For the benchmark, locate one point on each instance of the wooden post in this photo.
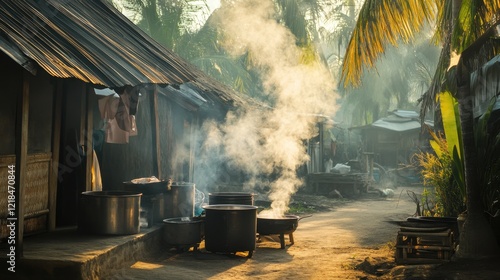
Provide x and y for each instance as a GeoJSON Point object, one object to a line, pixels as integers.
{"type": "Point", "coordinates": [192, 145]}
{"type": "Point", "coordinates": [54, 164]}
{"type": "Point", "coordinates": [21, 160]}
{"type": "Point", "coordinates": [156, 127]}
{"type": "Point", "coordinates": [89, 128]}
{"type": "Point", "coordinates": [321, 146]}
{"type": "Point", "coordinates": [369, 167]}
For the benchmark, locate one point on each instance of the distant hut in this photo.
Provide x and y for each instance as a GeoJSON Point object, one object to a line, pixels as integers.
{"type": "Point", "coordinates": [395, 138]}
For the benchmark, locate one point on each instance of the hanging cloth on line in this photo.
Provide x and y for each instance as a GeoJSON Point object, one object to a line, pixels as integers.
{"type": "Point", "coordinates": [119, 124]}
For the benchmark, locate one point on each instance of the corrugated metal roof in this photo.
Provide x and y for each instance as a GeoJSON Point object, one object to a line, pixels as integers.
{"type": "Point", "coordinates": [406, 114]}
{"type": "Point", "coordinates": [397, 121]}
{"type": "Point", "coordinates": [88, 40]}
{"type": "Point", "coordinates": [485, 84]}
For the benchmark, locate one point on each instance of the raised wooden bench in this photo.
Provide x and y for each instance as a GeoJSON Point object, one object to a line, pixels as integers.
{"type": "Point", "coordinates": [424, 245]}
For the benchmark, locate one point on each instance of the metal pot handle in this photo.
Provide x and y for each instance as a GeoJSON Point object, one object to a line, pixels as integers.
{"type": "Point", "coordinates": [306, 216]}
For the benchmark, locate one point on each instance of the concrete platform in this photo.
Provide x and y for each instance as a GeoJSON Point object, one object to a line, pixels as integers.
{"type": "Point", "coordinates": [69, 254]}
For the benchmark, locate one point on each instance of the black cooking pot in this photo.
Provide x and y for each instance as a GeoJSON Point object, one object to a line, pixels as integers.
{"type": "Point", "coordinates": [183, 232]}
{"type": "Point", "coordinates": [282, 225]}
{"type": "Point", "coordinates": [230, 228]}
{"type": "Point", "coordinates": [279, 226]}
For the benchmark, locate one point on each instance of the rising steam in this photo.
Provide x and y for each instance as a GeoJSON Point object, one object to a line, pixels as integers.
{"type": "Point", "coordinates": [271, 141]}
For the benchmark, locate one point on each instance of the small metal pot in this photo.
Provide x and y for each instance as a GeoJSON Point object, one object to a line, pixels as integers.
{"type": "Point", "coordinates": [183, 232]}
{"type": "Point", "coordinates": [279, 226]}
{"type": "Point", "coordinates": [286, 224]}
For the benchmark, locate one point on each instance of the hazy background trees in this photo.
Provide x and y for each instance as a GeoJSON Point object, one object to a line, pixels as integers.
{"type": "Point", "coordinates": [322, 28]}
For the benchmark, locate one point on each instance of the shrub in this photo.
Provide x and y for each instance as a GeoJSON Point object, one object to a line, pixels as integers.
{"type": "Point", "coordinates": [437, 172]}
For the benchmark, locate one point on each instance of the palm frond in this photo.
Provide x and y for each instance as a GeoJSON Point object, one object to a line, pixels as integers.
{"type": "Point", "coordinates": [474, 18]}
{"type": "Point", "coordinates": [443, 21]}
{"type": "Point", "coordinates": [427, 101]}
{"type": "Point", "coordinates": [381, 22]}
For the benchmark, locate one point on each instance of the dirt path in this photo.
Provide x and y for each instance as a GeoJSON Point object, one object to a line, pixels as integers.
{"type": "Point", "coordinates": [351, 241]}
{"type": "Point", "coordinates": [328, 245]}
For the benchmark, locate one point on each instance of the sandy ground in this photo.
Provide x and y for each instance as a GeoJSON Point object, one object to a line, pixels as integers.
{"type": "Point", "coordinates": [344, 240]}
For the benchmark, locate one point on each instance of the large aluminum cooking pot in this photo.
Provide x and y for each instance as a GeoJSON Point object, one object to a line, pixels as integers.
{"type": "Point", "coordinates": [109, 212]}
{"type": "Point", "coordinates": [230, 228]}
{"type": "Point", "coordinates": [179, 200]}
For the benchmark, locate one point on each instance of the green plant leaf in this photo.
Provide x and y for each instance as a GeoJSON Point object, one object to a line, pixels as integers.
{"type": "Point", "coordinates": [457, 170]}
{"type": "Point", "coordinates": [437, 149]}
{"type": "Point", "coordinates": [434, 142]}
{"type": "Point", "coordinates": [451, 122]}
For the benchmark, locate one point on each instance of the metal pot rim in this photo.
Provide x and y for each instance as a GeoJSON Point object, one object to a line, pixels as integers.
{"type": "Point", "coordinates": [283, 218]}
{"type": "Point", "coordinates": [182, 220]}
{"type": "Point", "coordinates": [183, 184]}
{"type": "Point", "coordinates": [231, 194]}
{"type": "Point", "coordinates": [111, 193]}
{"type": "Point", "coordinates": [225, 207]}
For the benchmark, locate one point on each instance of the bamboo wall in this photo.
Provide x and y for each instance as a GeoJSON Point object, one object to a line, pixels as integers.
{"type": "Point", "coordinates": [36, 200]}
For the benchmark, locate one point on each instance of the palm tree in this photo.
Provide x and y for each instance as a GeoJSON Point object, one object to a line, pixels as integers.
{"type": "Point", "coordinates": [460, 27]}
{"type": "Point", "coordinates": [384, 89]}
{"type": "Point", "coordinates": [169, 23]}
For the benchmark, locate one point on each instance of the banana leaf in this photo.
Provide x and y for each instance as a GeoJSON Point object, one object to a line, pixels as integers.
{"type": "Point", "coordinates": [451, 122]}
{"type": "Point", "coordinates": [434, 142]}
{"type": "Point", "coordinates": [457, 169]}
{"type": "Point", "coordinates": [453, 135]}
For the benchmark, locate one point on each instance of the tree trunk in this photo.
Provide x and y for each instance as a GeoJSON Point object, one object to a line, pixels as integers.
{"type": "Point", "coordinates": [476, 238]}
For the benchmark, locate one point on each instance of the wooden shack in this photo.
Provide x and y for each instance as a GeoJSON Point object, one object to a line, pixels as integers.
{"type": "Point", "coordinates": [394, 138]}
{"type": "Point", "coordinates": [54, 56]}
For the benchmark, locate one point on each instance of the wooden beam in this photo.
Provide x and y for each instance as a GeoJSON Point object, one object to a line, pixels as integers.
{"type": "Point", "coordinates": [89, 128]}
{"type": "Point", "coordinates": [321, 146]}
{"type": "Point", "coordinates": [22, 116]}
{"type": "Point", "coordinates": [54, 164]}
{"type": "Point", "coordinates": [156, 127]}
{"type": "Point", "coordinates": [192, 145]}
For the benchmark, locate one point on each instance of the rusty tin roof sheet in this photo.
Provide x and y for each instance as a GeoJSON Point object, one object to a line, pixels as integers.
{"type": "Point", "coordinates": [90, 40]}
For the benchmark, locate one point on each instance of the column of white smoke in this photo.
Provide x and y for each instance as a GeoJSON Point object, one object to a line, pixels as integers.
{"type": "Point", "coordinates": [272, 140]}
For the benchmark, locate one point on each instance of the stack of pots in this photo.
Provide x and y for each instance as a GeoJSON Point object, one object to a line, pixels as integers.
{"type": "Point", "coordinates": [230, 223]}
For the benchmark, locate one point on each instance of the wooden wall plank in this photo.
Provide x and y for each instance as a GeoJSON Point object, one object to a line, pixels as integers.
{"type": "Point", "coordinates": [54, 166]}
{"type": "Point", "coordinates": [156, 141]}
{"type": "Point", "coordinates": [22, 117]}
{"type": "Point", "coordinates": [90, 99]}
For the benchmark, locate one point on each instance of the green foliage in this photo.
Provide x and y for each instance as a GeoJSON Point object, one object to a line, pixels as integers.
{"type": "Point", "coordinates": [487, 137]}
{"type": "Point", "coordinates": [453, 133]}
{"type": "Point", "coordinates": [437, 172]}
{"type": "Point", "coordinates": [445, 168]}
